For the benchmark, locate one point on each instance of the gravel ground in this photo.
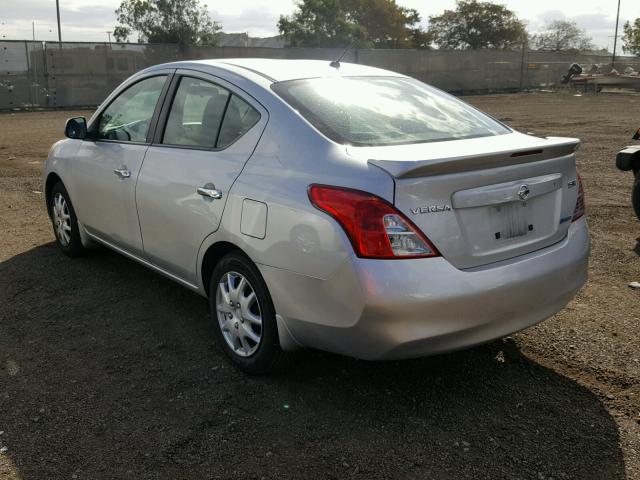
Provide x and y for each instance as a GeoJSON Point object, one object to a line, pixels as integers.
{"type": "Point", "coordinates": [109, 371]}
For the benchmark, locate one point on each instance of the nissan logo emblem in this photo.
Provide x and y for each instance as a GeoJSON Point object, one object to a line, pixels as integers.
{"type": "Point", "coordinates": [524, 192]}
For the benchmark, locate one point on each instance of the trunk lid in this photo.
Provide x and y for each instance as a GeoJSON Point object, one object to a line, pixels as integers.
{"type": "Point", "coordinates": [484, 200]}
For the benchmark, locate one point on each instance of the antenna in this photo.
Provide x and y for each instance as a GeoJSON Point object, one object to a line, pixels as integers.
{"type": "Point", "coordinates": [336, 63]}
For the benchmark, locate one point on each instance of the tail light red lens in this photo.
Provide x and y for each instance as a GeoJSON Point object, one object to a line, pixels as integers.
{"type": "Point", "coordinates": [580, 208]}
{"type": "Point", "coordinates": [375, 228]}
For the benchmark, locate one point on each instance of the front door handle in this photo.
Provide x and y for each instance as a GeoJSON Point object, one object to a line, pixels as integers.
{"type": "Point", "coordinates": [122, 172]}
{"type": "Point", "coordinates": [209, 192]}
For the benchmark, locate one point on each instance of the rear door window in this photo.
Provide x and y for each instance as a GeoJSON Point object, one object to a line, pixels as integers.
{"type": "Point", "coordinates": [206, 115]}
{"type": "Point", "coordinates": [196, 114]}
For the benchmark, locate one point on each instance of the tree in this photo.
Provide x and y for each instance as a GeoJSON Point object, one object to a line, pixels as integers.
{"type": "Point", "coordinates": [322, 23]}
{"type": "Point", "coordinates": [561, 36]}
{"type": "Point", "coordinates": [360, 23]}
{"type": "Point", "coordinates": [184, 22]}
{"type": "Point", "coordinates": [631, 38]}
{"type": "Point", "coordinates": [387, 24]}
{"type": "Point", "coordinates": [474, 25]}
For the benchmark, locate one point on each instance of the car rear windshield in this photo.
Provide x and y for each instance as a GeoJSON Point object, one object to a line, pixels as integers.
{"type": "Point", "coordinates": [368, 111]}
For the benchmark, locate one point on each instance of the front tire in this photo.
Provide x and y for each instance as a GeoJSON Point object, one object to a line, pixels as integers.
{"type": "Point", "coordinates": [244, 316]}
{"type": "Point", "coordinates": [65, 222]}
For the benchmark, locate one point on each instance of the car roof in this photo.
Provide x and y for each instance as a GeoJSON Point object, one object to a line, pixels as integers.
{"type": "Point", "coordinates": [278, 70]}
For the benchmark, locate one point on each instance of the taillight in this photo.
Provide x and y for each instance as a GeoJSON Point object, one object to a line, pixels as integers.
{"type": "Point", "coordinates": [579, 210]}
{"type": "Point", "coordinates": [374, 227]}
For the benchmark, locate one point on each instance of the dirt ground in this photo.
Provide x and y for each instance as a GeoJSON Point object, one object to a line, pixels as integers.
{"type": "Point", "coordinates": [109, 371]}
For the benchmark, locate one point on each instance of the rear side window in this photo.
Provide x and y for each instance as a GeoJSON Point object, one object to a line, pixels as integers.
{"type": "Point", "coordinates": [240, 117]}
{"type": "Point", "coordinates": [370, 111]}
{"type": "Point", "coordinates": [207, 115]}
{"type": "Point", "coordinates": [128, 117]}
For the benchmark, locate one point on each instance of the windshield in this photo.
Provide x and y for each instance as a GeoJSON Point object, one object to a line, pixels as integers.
{"type": "Point", "coordinates": [369, 111]}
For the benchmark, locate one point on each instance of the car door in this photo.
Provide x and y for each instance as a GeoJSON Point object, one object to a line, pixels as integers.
{"type": "Point", "coordinates": [106, 166]}
{"type": "Point", "coordinates": [206, 134]}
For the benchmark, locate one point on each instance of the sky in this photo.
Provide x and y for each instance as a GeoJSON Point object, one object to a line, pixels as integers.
{"type": "Point", "coordinates": [89, 20]}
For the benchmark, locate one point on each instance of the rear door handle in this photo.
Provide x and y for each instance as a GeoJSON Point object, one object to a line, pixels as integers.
{"type": "Point", "coordinates": [209, 192]}
{"type": "Point", "coordinates": [122, 172]}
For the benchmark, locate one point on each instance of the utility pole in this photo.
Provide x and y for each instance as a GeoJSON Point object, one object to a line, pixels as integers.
{"type": "Point", "coordinates": [34, 63]}
{"type": "Point", "coordinates": [58, 15]}
{"type": "Point", "coordinates": [109, 35]}
{"type": "Point", "coordinates": [615, 39]}
{"type": "Point", "coordinates": [522, 67]}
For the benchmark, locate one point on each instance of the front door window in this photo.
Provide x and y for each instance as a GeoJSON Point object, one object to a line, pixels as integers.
{"type": "Point", "coordinates": [128, 117]}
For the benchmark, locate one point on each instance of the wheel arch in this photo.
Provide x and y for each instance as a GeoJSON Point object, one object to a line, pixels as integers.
{"type": "Point", "coordinates": [211, 258]}
{"type": "Point", "coordinates": [52, 179]}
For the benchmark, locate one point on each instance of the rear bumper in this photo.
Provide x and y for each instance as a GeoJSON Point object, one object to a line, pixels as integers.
{"type": "Point", "coordinates": [376, 310]}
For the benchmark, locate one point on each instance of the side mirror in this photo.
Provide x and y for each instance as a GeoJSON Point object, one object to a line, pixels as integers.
{"type": "Point", "coordinates": [76, 128]}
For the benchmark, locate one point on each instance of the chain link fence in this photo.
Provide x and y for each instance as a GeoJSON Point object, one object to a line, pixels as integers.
{"type": "Point", "coordinates": [52, 74]}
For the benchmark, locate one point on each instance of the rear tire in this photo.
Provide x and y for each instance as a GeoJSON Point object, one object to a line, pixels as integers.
{"type": "Point", "coordinates": [65, 222]}
{"type": "Point", "coordinates": [635, 195]}
{"type": "Point", "coordinates": [244, 316]}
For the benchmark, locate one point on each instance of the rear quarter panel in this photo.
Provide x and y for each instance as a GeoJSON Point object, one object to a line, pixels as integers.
{"type": "Point", "coordinates": [290, 156]}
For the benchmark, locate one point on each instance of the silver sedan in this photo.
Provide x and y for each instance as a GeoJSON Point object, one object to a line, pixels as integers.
{"type": "Point", "coordinates": [333, 206]}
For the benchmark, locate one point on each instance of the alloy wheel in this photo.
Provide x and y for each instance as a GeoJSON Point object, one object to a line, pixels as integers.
{"type": "Point", "coordinates": [61, 219]}
{"type": "Point", "coordinates": [239, 314]}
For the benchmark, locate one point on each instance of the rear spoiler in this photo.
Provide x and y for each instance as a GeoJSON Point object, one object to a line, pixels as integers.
{"type": "Point", "coordinates": [554, 147]}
